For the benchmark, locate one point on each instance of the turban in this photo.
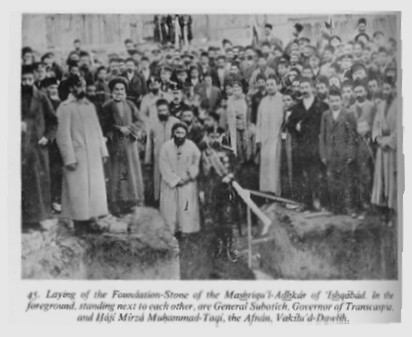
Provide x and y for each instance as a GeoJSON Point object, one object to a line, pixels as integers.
{"type": "Point", "coordinates": [179, 125]}
{"type": "Point", "coordinates": [117, 80]}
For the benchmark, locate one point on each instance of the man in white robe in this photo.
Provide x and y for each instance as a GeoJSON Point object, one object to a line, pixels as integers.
{"type": "Point", "coordinates": [268, 138]}
{"type": "Point", "coordinates": [179, 168]}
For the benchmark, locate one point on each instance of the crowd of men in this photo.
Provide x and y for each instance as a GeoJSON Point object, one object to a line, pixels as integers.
{"type": "Point", "coordinates": [315, 120]}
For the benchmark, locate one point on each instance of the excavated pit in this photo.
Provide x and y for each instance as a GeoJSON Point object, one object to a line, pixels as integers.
{"type": "Point", "coordinates": [327, 247]}
{"type": "Point", "coordinates": [137, 247]}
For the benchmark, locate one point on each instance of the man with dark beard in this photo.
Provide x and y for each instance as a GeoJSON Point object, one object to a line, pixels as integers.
{"type": "Point", "coordinates": [384, 134]}
{"type": "Point", "coordinates": [50, 86]}
{"type": "Point", "coordinates": [148, 105]}
{"type": "Point", "coordinates": [158, 133]}
{"type": "Point", "coordinates": [194, 129]}
{"type": "Point", "coordinates": [179, 166]}
{"type": "Point", "coordinates": [364, 112]}
{"type": "Point", "coordinates": [322, 89]}
{"type": "Point", "coordinates": [304, 126]}
{"type": "Point", "coordinates": [83, 149]}
{"type": "Point", "coordinates": [38, 129]}
{"type": "Point", "coordinates": [257, 97]}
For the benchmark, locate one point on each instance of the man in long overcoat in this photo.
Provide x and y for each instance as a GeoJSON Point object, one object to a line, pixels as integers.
{"type": "Point", "coordinates": [83, 149]}
{"type": "Point", "coordinates": [384, 192]}
{"type": "Point", "coordinates": [123, 128]}
{"type": "Point", "coordinates": [364, 112]}
{"type": "Point", "coordinates": [39, 124]}
{"type": "Point", "coordinates": [304, 126]}
{"type": "Point", "coordinates": [337, 150]}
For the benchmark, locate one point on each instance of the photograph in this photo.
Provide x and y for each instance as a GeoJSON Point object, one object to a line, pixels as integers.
{"type": "Point", "coordinates": [229, 147]}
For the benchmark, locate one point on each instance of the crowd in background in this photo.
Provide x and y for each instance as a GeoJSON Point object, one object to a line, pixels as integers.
{"type": "Point", "coordinates": [315, 120]}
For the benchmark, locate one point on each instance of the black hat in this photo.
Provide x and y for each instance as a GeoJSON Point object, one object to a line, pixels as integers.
{"type": "Point", "coordinates": [193, 68]}
{"type": "Point", "coordinates": [187, 54]}
{"type": "Point", "coordinates": [117, 80]}
{"type": "Point", "coordinates": [360, 35]}
{"type": "Point", "coordinates": [362, 21]}
{"type": "Point", "coordinates": [27, 69]}
{"type": "Point", "coordinates": [48, 81]}
{"type": "Point", "coordinates": [73, 80]}
{"type": "Point", "coordinates": [260, 77]}
{"type": "Point", "coordinates": [268, 25]}
{"type": "Point", "coordinates": [360, 83]}
{"type": "Point", "coordinates": [180, 70]}
{"type": "Point", "coordinates": [214, 115]}
{"type": "Point", "coordinates": [72, 63]}
{"type": "Point", "coordinates": [166, 68]}
{"type": "Point", "coordinates": [334, 91]}
{"type": "Point", "coordinates": [323, 79]}
{"type": "Point", "coordinates": [357, 66]}
{"type": "Point", "coordinates": [179, 125]}
{"type": "Point", "coordinates": [26, 50]}
{"type": "Point", "coordinates": [298, 27]}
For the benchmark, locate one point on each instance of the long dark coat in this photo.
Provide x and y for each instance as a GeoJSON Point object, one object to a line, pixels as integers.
{"type": "Point", "coordinates": [38, 115]}
{"type": "Point", "coordinates": [337, 148]}
{"type": "Point", "coordinates": [125, 180]}
{"type": "Point", "coordinates": [306, 164]}
{"type": "Point", "coordinates": [136, 88]}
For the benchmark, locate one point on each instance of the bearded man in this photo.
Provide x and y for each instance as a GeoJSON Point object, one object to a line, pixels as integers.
{"type": "Point", "coordinates": [38, 129]}
{"type": "Point", "coordinates": [158, 133]}
{"type": "Point", "coordinates": [364, 112]}
{"type": "Point", "coordinates": [83, 149]}
{"type": "Point", "coordinates": [304, 126]}
{"type": "Point", "coordinates": [179, 167]}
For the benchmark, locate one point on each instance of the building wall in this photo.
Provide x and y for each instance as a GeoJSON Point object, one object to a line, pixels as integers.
{"type": "Point", "coordinates": [57, 31]}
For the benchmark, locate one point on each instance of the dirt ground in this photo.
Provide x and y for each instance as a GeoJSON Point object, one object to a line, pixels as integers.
{"type": "Point", "coordinates": [197, 261]}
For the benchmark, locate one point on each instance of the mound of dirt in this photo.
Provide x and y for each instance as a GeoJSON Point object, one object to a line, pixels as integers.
{"type": "Point", "coordinates": [138, 246]}
{"type": "Point", "coordinates": [327, 247]}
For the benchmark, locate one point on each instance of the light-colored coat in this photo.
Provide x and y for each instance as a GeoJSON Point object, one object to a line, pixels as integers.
{"type": "Point", "coordinates": [236, 115]}
{"type": "Point", "coordinates": [385, 177]}
{"type": "Point", "coordinates": [179, 205]}
{"type": "Point", "coordinates": [148, 107]}
{"type": "Point", "coordinates": [80, 140]}
{"type": "Point", "coordinates": [159, 133]}
{"type": "Point", "coordinates": [268, 134]}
